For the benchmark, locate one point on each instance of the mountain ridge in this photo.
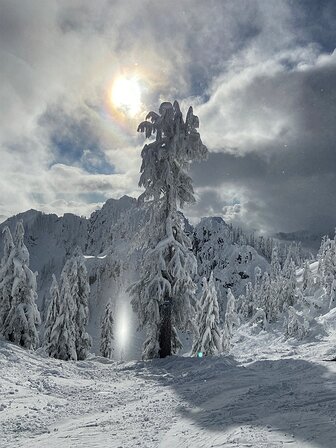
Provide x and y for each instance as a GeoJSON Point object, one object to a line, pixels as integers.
{"type": "Point", "coordinates": [113, 243]}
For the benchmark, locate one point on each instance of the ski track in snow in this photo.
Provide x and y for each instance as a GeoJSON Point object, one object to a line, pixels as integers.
{"type": "Point", "coordinates": [282, 399]}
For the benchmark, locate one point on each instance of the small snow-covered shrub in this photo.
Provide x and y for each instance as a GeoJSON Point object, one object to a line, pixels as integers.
{"type": "Point", "coordinates": [296, 325]}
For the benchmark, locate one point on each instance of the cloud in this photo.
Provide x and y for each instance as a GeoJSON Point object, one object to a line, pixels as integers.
{"type": "Point", "coordinates": [259, 73]}
{"type": "Point", "coordinates": [277, 142]}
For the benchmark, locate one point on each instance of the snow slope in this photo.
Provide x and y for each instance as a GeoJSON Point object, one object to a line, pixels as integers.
{"type": "Point", "coordinates": [285, 397]}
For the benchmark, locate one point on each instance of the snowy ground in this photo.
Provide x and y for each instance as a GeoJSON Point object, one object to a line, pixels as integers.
{"type": "Point", "coordinates": [285, 397]}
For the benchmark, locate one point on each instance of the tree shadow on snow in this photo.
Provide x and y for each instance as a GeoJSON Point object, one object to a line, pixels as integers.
{"type": "Point", "coordinates": [289, 396]}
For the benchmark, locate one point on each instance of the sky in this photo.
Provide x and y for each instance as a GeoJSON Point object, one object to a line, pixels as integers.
{"type": "Point", "coordinates": [261, 76]}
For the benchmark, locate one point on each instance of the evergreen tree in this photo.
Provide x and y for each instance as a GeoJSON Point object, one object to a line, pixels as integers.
{"type": "Point", "coordinates": [231, 320]}
{"type": "Point", "coordinates": [332, 294]}
{"type": "Point", "coordinates": [257, 275]}
{"type": "Point", "coordinates": [163, 298]}
{"type": "Point", "coordinates": [106, 337]}
{"type": "Point", "coordinates": [290, 286]}
{"type": "Point", "coordinates": [209, 338]}
{"type": "Point", "coordinates": [82, 293]}
{"type": "Point", "coordinates": [288, 260]}
{"type": "Point", "coordinates": [6, 276]}
{"type": "Point", "coordinates": [51, 336]}
{"type": "Point", "coordinates": [66, 336]}
{"type": "Point", "coordinates": [247, 302]}
{"type": "Point", "coordinates": [306, 280]}
{"type": "Point", "coordinates": [63, 330]}
{"type": "Point", "coordinates": [264, 296]}
{"type": "Point", "coordinates": [22, 319]}
{"type": "Point", "coordinates": [275, 263]}
{"type": "Point", "coordinates": [321, 254]}
{"type": "Point", "coordinates": [296, 325]}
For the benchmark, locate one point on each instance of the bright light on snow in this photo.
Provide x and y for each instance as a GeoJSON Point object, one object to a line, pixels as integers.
{"type": "Point", "coordinates": [122, 326]}
{"type": "Point", "coordinates": [126, 95]}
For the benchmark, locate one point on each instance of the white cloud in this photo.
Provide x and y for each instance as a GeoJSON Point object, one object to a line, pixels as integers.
{"type": "Point", "coordinates": [249, 59]}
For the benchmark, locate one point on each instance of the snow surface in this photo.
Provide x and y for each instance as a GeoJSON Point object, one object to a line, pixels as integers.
{"type": "Point", "coordinates": [270, 393]}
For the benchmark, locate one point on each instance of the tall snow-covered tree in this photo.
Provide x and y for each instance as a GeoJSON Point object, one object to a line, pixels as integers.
{"type": "Point", "coordinates": [50, 335]}
{"type": "Point", "coordinates": [275, 263]}
{"type": "Point", "coordinates": [264, 296]}
{"type": "Point", "coordinates": [327, 258]}
{"type": "Point", "coordinates": [23, 317]}
{"type": "Point", "coordinates": [289, 287]}
{"type": "Point", "coordinates": [306, 276]}
{"type": "Point", "coordinates": [257, 275]}
{"type": "Point", "coordinates": [247, 302]}
{"type": "Point", "coordinates": [208, 340]}
{"type": "Point", "coordinates": [6, 276]}
{"type": "Point", "coordinates": [82, 292]}
{"type": "Point", "coordinates": [332, 294]}
{"type": "Point", "coordinates": [231, 320]}
{"type": "Point", "coordinates": [163, 298]}
{"type": "Point", "coordinates": [66, 336]}
{"type": "Point", "coordinates": [64, 330]}
{"type": "Point", "coordinates": [106, 336]}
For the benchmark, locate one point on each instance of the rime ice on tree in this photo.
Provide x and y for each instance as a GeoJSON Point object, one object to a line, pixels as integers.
{"type": "Point", "coordinates": [106, 337]}
{"type": "Point", "coordinates": [66, 336]}
{"type": "Point", "coordinates": [83, 340]}
{"type": "Point", "coordinates": [231, 320]}
{"type": "Point", "coordinates": [164, 295]}
{"type": "Point", "coordinates": [208, 339]}
{"type": "Point", "coordinates": [18, 290]}
{"type": "Point", "coordinates": [50, 334]}
{"type": "Point", "coordinates": [64, 327]}
{"type": "Point", "coordinates": [6, 276]}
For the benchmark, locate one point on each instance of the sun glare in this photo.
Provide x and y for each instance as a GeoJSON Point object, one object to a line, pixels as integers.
{"type": "Point", "coordinates": [122, 325]}
{"type": "Point", "coordinates": [126, 95]}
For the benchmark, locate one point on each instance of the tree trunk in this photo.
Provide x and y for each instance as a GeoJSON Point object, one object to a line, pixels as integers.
{"type": "Point", "coordinates": [165, 329]}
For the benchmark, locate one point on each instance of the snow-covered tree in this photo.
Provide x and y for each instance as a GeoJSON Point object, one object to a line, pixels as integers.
{"type": "Point", "coordinates": [265, 297]}
{"type": "Point", "coordinates": [64, 327]}
{"type": "Point", "coordinates": [332, 294]}
{"type": "Point", "coordinates": [66, 336]}
{"type": "Point", "coordinates": [275, 263]}
{"type": "Point", "coordinates": [106, 336]}
{"type": "Point", "coordinates": [247, 303]}
{"type": "Point", "coordinates": [295, 324]}
{"type": "Point", "coordinates": [22, 319]}
{"type": "Point", "coordinates": [81, 293]}
{"type": "Point", "coordinates": [327, 258]}
{"type": "Point", "coordinates": [163, 298]}
{"type": "Point", "coordinates": [257, 275]}
{"type": "Point", "coordinates": [6, 276]}
{"type": "Point", "coordinates": [231, 320]}
{"type": "Point", "coordinates": [288, 259]}
{"type": "Point", "coordinates": [209, 337]}
{"type": "Point", "coordinates": [286, 288]}
{"type": "Point", "coordinates": [51, 336]}
{"type": "Point", "coordinates": [306, 276]}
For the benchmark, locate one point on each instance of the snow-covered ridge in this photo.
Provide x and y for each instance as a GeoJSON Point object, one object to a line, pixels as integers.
{"type": "Point", "coordinates": [112, 242]}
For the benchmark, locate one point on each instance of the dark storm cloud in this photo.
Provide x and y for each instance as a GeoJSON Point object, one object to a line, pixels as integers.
{"type": "Point", "coordinates": [269, 197]}
{"type": "Point", "coordinates": [285, 177]}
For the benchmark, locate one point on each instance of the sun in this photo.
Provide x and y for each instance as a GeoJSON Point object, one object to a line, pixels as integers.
{"type": "Point", "coordinates": [126, 95]}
